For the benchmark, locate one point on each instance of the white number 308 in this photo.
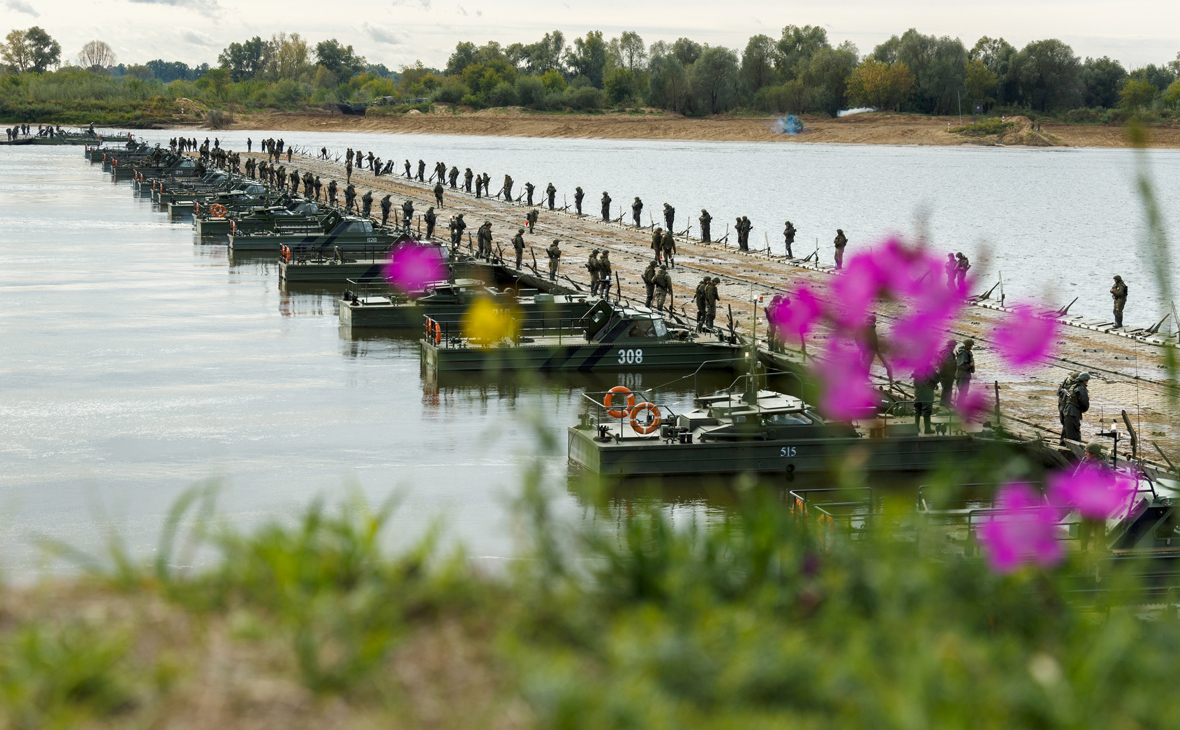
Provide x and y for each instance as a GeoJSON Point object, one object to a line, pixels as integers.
{"type": "Point", "coordinates": [630, 357]}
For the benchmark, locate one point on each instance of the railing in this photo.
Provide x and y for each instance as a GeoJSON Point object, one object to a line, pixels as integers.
{"type": "Point", "coordinates": [572, 329]}
{"type": "Point", "coordinates": [601, 419]}
{"type": "Point", "coordinates": [311, 253]}
{"type": "Point", "coordinates": [855, 516]}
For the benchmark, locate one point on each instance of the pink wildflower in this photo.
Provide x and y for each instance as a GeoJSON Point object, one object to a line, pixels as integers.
{"type": "Point", "coordinates": [973, 406]}
{"type": "Point", "coordinates": [1024, 339]}
{"type": "Point", "coordinates": [1021, 530]}
{"type": "Point", "coordinates": [412, 266]}
{"type": "Point", "coordinates": [1095, 490]}
{"type": "Point", "coordinates": [797, 314]}
{"type": "Point", "coordinates": [847, 394]}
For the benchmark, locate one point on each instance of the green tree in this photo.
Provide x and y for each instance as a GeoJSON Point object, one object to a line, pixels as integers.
{"type": "Point", "coordinates": [1047, 76]}
{"type": "Point", "coordinates": [758, 63]}
{"type": "Point", "coordinates": [244, 60]}
{"type": "Point", "coordinates": [687, 51]}
{"type": "Point", "coordinates": [1137, 94]}
{"type": "Point", "coordinates": [938, 66]}
{"type": "Point", "coordinates": [714, 79]}
{"type": "Point", "coordinates": [219, 79]}
{"type": "Point", "coordinates": [880, 85]}
{"type": "Point", "coordinates": [996, 54]}
{"type": "Point", "coordinates": [825, 79]}
{"type": "Point", "coordinates": [338, 58]}
{"type": "Point", "coordinates": [980, 81]}
{"type": "Point", "coordinates": [44, 52]}
{"type": "Point", "coordinates": [1160, 76]}
{"type": "Point", "coordinates": [463, 57]}
{"type": "Point", "coordinates": [1171, 97]}
{"type": "Point", "coordinates": [545, 55]}
{"type": "Point", "coordinates": [553, 80]}
{"type": "Point", "coordinates": [16, 51]}
{"type": "Point", "coordinates": [796, 48]}
{"type": "Point", "coordinates": [631, 51]}
{"type": "Point", "coordinates": [620, 85]}
{"type": "Point", "coordinates": [668, 86]}
{"type": "Point", "coordinates": [1102, 79]}
{"type": "Point", "coordinates": [588, 57]}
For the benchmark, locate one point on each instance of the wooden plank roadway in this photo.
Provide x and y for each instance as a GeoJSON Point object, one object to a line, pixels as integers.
{"type": "Point", "coordinates": [1127, 373]}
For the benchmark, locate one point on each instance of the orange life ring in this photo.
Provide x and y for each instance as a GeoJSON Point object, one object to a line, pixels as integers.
{"type": "Point", "coordinates": [608, 401]}
{"type": "Point", "coordinates": [285, 253]}
{"type": "Point", "coordinates": [433, 331]}
{"type": "Point", "coordinates": [218, 210]}
{"type": "Point", "coordinates": [233, 227]}
{"type": "Point", "coordinates": [655, 418]}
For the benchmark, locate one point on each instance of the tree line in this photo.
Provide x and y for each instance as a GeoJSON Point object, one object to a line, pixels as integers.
{"type": "Point", "coordinates": [799, 72]}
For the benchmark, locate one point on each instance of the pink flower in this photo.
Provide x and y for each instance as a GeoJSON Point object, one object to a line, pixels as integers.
{"type": "Point", "coordinates": [797, 313]}
{"type": "Point", "coordinates": [1095, 490]}
{"type": "Point", "coordinates": [971, 407]}
{"type": "Point", "coordinates": [1024, 339]}
{"type": "Point", "coordinates": [412, 266]}
{"type": "Point", "coordinates": [1021, 530]}
{"type": "Point", "coordinates": [855, 288]}
{"type": "Point", "coordinates": [847, 394]}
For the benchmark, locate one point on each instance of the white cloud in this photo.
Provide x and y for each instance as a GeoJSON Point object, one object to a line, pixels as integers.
{"type": "Point", "coordinates": [197, 38]}
{"type": "Point", "coordinates": [200, 4]}
{"type": "Point", "coordinates": [383, 35]}
{"type": "Point", "coordinates": [21, 7]}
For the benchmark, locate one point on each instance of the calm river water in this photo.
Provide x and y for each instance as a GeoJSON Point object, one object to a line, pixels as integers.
{"type": "Point", "coordinates": [135, 364]}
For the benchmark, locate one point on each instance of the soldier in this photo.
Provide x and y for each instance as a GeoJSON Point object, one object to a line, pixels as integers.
{"type": "Point", "coordinates": [663, 284]}
{"type": "Point", "coordinates": [421, 171]}
{"type": "Point", "coordinates": [702, 303]}
{"type": "Point", "coordinates": [409, 175]}
{"type": "Point", "coordinates": [430, 219]}
{"type": "Point", "coordinates": [705, 220]}
{"type": "Point", "coordinates": [249, 144]}
{"type": "Point", "coordinates": [657, 243]}
{"type": "Point", "coordinates": [438, 194]}
{"type": "Point", "coordinates": [870, 347]}
{"type": "Point", "coordinates": [478, 187]}
{"type": "Point", "coordinates": [484, 239]}
{"type": "Point", "coordinates": [840, 242]}
{"type": "Point", "coordinates": [467, 179]}
{"type": "Point", "coordinates": [348, 170]}
{"type": "Point", "coordinates": [531, 218]}
{"type": "Point", "coordinates": [454, 178]}
{"type": "Point", "coordinates": [487, 183]}
{"type": "Point", "coordinates": [961, 267]}
{"type": "Point", "coordinates": [288, 154]}
{"type": "Point", "coordinates": [604, 274]}
{"type": "Point", "coordinates": [1118, 292]}
{"type": "Point", "coordinates": [507, 191]}
{"type": "Point", "coordinates": [924, 399]}
{"type": "Point", "coordinates": [964, 368]}
{"type": "Point", "coordinates": [669, 216]}
{"type": "Point", "coordinates": [332, 192]}
{"type": "Point", "coordinates": [518, 246]}
{"type": "Point", "coordinates": [551, 194]}
{"type": "Point", "coordinates": [407, 213]}
{"type": "Point", "coordinates": [950, 267]}
{"type": "Point", "coordinates": [318, 186]}
{"type": "Point", "coordinates": [669, 246]}
{"type": "Point", "coordinates": [281, 177]}
{"type": "Point", "coordinates": [386, 206]}
{"type": "Point", "coordinates": [1077, 403]}
{"type": "Point", "coordinates": [308, 184]}
{"type": "Point", "coordinates": [789, 239]}
{"type": "Point", "coordinates": [349, 197]}
{"type": "Point", "coordinates": [458, 225]}
{"type": "Point", "coordinates": [554, 252]}
{"type": "Point", "coordinates": [367, 204]}
{"type": "Point", "coordinates": [712, 296]}
{"type": "Point", "coordinates": [649, 282]}
{"type": "Point", "coordinates": [946, 373]}
{"type": "Point", "coordinates": [578, 195]}
{"type": "Point", "coordinates": [745, 231]}
{"type": "Point", "coordinates": [528, 189]}
{"type": "Point", "coordinates": [592, 267]}
{"type": "Point", "coordinates": [636, 210]}
{"type": "Point", "coordinates": [605, 207]}
{"type": "Point", "coordinates": [370, 158]}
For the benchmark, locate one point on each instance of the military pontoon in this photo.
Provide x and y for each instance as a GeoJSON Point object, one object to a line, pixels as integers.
{"type": "Point", "coordinates": [246, 218]}
{"type": "Point", "coordinates": [609, 337]}
{"type": "Point", "coordinates": [337, 232]}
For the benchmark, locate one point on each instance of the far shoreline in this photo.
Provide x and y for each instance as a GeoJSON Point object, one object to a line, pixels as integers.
{"type": "Point", "coordinates": [867, 128]}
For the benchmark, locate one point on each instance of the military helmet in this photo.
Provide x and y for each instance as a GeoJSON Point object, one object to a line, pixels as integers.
{"type": "Point", "coordinates": [557, 242]}
{"type": "Point", "coordinates": [1116, 276]}
{"type": "Point", "coordinates": [716, 280]}
{"type": "Point", "coordinates": [1095, 448]}
{"type": "Point", "coordinates": [968, 343]}
{"type": "Point", "coordinates": [487, 223]}
{"type": "Point", "coordinates": [1083, 377]}
{"type": "Point", "coordinates": [520, 230]}
{"type": "Point", "coordinates": [663, 268]}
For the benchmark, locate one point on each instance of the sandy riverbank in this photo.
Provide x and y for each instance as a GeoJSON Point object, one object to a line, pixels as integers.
{"type": "Point", "coordinates": [891, 129]}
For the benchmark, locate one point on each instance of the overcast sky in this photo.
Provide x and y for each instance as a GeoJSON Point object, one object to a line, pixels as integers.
{"type": "Point", "coordinates": [397, 32]}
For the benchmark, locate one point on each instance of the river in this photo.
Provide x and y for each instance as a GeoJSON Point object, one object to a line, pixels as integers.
{"type": "Point", "coordinates": [136, 364]}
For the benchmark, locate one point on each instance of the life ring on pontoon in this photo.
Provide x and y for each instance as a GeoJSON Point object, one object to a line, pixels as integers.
{"type": "Point", "coordinates": [654, 413]}
{"type": "Point", "coordinates": [609, 400]}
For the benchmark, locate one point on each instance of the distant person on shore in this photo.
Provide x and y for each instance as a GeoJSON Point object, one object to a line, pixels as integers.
{"type": "Point", "coordinates": [407, 213]}
{"type": "Point", "coordinates": [950, 267]}
{"type": "Point", "coordinates": [1077, 402]}
{"type": "Point", "coordinates": [467, 180]}
{"type": "Point", "coordinates": [605, 207]}
{"type": "Point", "coordinates": [592, 267]}
{"type": "Point", "coordinates": [454, 178]}
{"type": "Point", "coordinates": [840, 242]}
{"type": "Point", "coordinates": [386, 207]}
{"type": "Point", "coordinates": [578, 195]}
{"type": "Point", "coordinates": [367, 204]}
{"type": "Point", "coordinates": [964, 368]}
{"type": "Point", "coordinates": [438, 193]}
{"type": "Point", "coordinates": [551, 195]}
{"type": "Point", "coordinates": [789, 239]}
{"type": "Point", "coordinates": [636, 211]}
{"type": "Point", "coordinates": [669, 217]}
{"type": "Point", "coordinates": [962, 266]}
{"type": "Point", "coordinates": [947, 367]}
{"type": "Point", "coordinates": [518, 246]}
{"type": "Point", "coordinates": [421, 170]}
{"type": "Point", "coordinates": [1118, 292]}
{"type": "Point", "coordinates": [663, 287]}
{"type": "Point", "coordinates": [649, 282]}
{"type": "Point", "coordinates": [669, 246]}
{"type": "Point", "coordinates": [657, 243]}
{"type": "Point", "coordinates": [332, 192]}
{"type": "Point", "coordinates": [478, 187]}
{"type": "Point", "coordinates": [484, 239]}
{"type": "Point", "coordinates": [531, 219]}
{"type": "Point", "coordinates": [431, 219]}
{"type": "Point", "coordinates": [604, 274]}
{"type": "Point", "coordinates": [712, 296]}
{"type": "Point", "coordinates": [349, 197]}
{"type": "Point", "coordinates": [409, 175]}
{"type": "Point", "coordinates": [528, 189]}
{"type": "Point", "coordinates": [506, 191]}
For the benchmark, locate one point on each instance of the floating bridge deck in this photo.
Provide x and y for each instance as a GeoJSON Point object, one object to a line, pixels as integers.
{"type": "Point", "coordinates": [1127, 366]}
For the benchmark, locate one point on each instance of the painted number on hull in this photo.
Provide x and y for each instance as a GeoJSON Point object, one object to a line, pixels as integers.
{"type": "Point", "coordinates": [787, 451]}
{"type": "Point", "coordinates": [630, 357]}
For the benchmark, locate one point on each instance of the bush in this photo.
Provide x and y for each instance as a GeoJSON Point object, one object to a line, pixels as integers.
{"type": "Point", "coordinates": [584, 98]}
{"type": "Point", "coordinates": [503, 94]}
{"type": "Point", "coordinates": [530, 92]}
{"type": "Point", "coordinates": [984, 128]}
{"type": "Point", "coordinates": [777, 99]}
{"type": "Point", "coordinates": [451, 93]}
{"type": "Point", "coordinates": [218, 119]}
{"type": "Point", "coordinates": [1093, 115]}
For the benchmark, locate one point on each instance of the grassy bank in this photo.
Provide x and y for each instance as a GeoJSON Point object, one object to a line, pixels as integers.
{"type": "Point", "coordinates": [760, 621]}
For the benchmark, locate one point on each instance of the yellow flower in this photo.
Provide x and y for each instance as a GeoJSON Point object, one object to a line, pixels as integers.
{"type": "Point", "coordinates": [485, 323]}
